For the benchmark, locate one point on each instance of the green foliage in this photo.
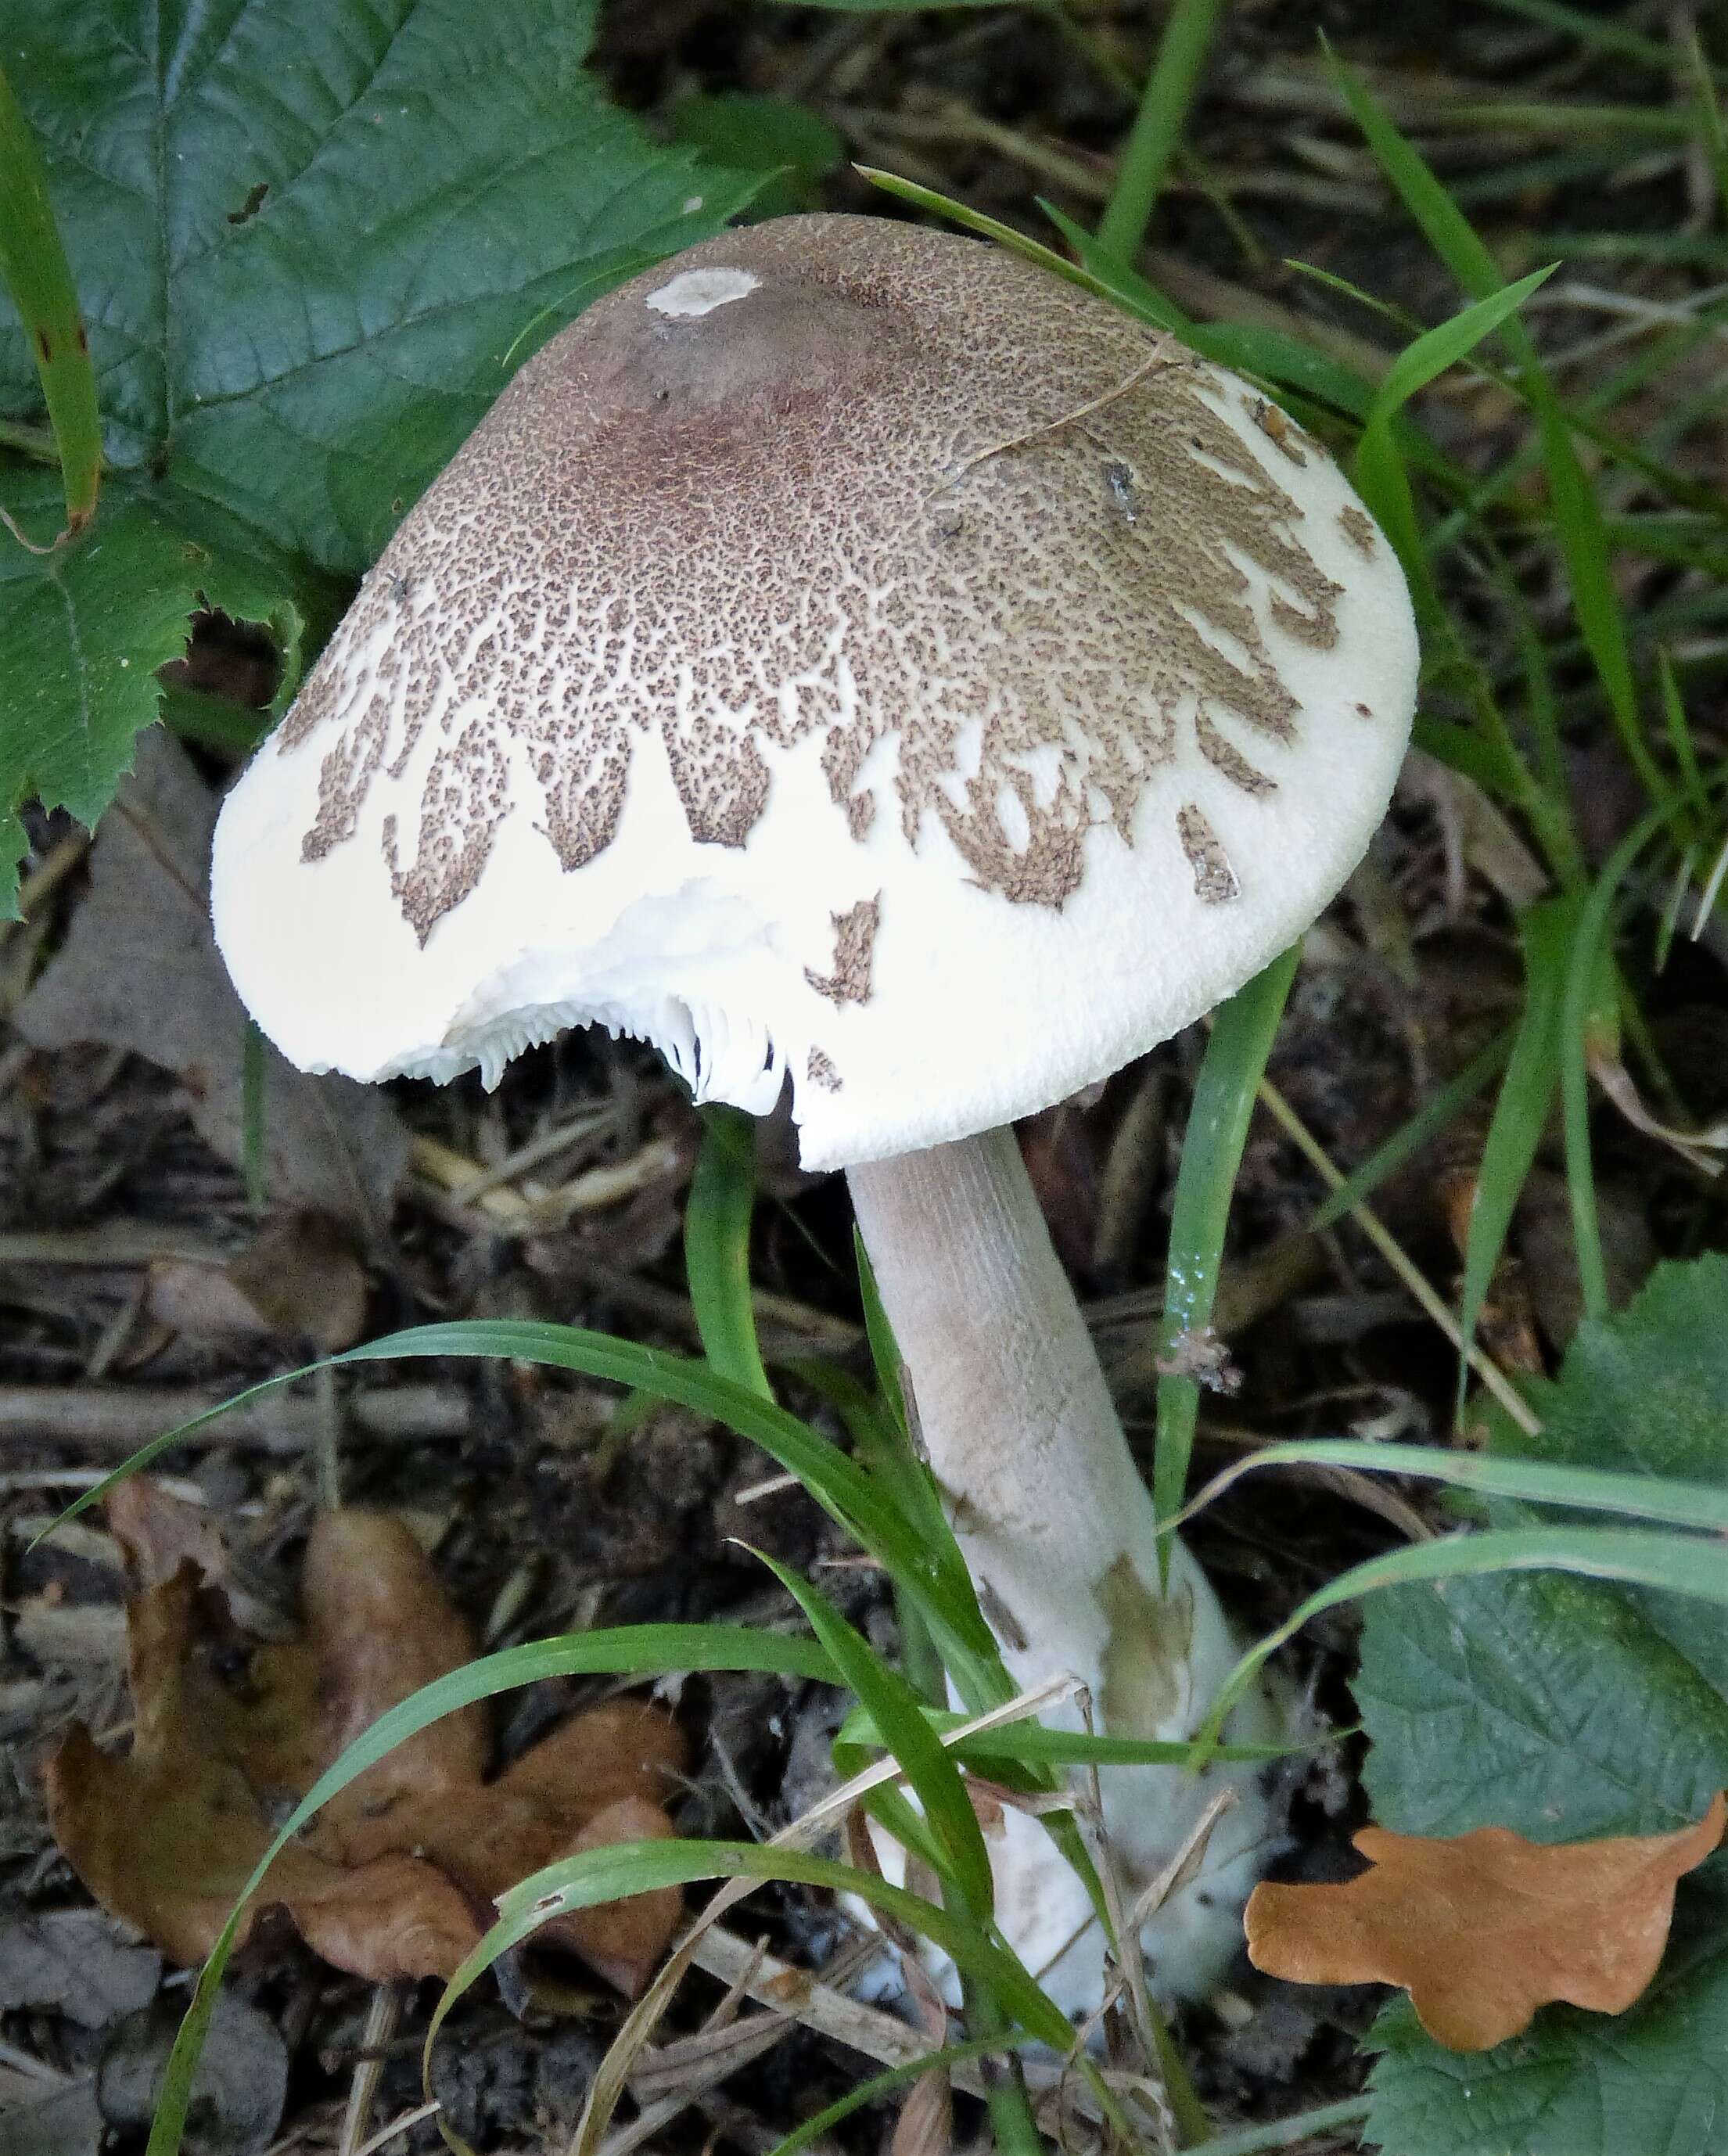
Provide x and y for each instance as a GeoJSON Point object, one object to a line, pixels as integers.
{"type": "Point", "coordinates": [1564, 1707]}
{"type": "Point", "coordinates": [311, 244]}
{"type": "Point", "coordinates": [717, 1247]}
{"type": "Point", "coordinates": [793, 147]}
{"type": "Point", "coordinates": [1223, 1102]}
{"type": "Point", "coordinates": [1650, 2081]}
{"type": "Point", "coordinates": [39, 278]}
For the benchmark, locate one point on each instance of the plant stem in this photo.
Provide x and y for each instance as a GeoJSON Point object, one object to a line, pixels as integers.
{"type": "Point", "coordinates": [1283, 2133]}
{"type": "Point", "coordinates": [1157, 126]}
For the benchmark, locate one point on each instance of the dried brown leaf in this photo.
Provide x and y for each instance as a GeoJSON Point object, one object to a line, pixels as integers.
{"type": "Point", "coordinates": [139, 970]}
{"type": "Point", "coordinates": [396, 1876]}
{"type": "Point", "coordinates": [298, 1279]}
{"type": "Point", "coordinates": [1483, 1928]}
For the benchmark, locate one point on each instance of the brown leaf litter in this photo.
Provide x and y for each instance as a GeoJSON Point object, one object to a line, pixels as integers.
{"type": "Point", "coordinates": [396, 1876]}
{"type": "Point", "coordinates": [139, 970]}
{"type": "Point", "coordinates": [1483, 1928]}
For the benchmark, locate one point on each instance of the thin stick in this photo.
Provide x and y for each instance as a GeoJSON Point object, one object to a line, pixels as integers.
{"type": "Point", "coordinates": [1389, 1249]}
{"type": "Point", "coordinates": [381, 2016]}
{"type": "Point", "coordinates": [399, 2126]}
{"type": "Point", "coordinates": [1155, 357]}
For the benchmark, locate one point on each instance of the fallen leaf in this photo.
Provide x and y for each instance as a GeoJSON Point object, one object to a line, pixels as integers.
{"type": "Point", "coordinates": [1483, 1928]}
{"type": "Point", "coordinates": [298, 1279]}
{"type": "Point", "coordinates": [395, 1876]}
{"type": "Point", "coordinates": [139, 970]}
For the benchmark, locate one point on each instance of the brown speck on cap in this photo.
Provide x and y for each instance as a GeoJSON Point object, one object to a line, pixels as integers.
{"type": "Point", "coordinates": [1214, 878]}
{"type": "Point", "coordinates": [855, 947]}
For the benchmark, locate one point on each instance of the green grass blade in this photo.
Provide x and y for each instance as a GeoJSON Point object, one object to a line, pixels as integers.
{"type": "Point", "coordinates": [40, 280]}
{"type": "Point", "coordinates": [1436, 349]}
{"type": "Point", "coordinates": [637, 1867]}
{"type": "Point", "coordinates": [1679, 728]}
{"type": "Point", "coordinates": [878, 2085]}
{"type": "Point", "coordinates": [884, 1349]}
{"type": "Point", "coordinates": [1234, 1062]}
{"type": "Point", "coordinates": [836, 1482]}
{"type": "Point", "coordinates": [1679, 1564]}
{"type": "Point", "coordinates": [1590, 951]}
{"type": "Point", "coordinates": [899, 1713]}
{"type": "Point", "coordinates": [1674, 1502]}
{"type": "Point", "coordinates": [1017, 1744]}
{"type": "Point", "coordinates": [640, 1650]}
{"type": "Point", "coordinates": [929, 1570]}
{"type": "Point", "coordinates": [1425, 1125]}
{"type": "Point", "coordinates": [717, 1247]}
{"type": "Point", "coordinates": [1578, 527]}
{"type": "Point", "coordinates": [1521, 1113]}
{"type": "Point", "coordinates": [1183, 46]}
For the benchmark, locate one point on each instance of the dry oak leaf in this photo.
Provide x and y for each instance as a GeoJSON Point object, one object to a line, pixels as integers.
{"type": "Point", "coordinates": [1483, 1928]}
{"type": "Point", "coordinates": [396, 1876]}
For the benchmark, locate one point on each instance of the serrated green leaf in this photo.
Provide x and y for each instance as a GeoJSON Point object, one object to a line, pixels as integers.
{"type": "Point", "coordinates": [1541, 1703]}
{"type": "Point", "coordinates": [311, 244]}
{"type": "Point", "coordinates": [84, 628]}
{"type": "Point", "coordinates": [1565, 1707]}
{"type": "Point", "coordinates": [308, 240]}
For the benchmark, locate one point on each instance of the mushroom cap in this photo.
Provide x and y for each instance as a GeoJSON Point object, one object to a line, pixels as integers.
{"type": "Point", "coordinates": [846, 654]}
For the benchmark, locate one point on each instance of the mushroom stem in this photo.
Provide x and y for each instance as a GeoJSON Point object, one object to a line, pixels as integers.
{"type": "Point", "coordinates": [1054, 1518]}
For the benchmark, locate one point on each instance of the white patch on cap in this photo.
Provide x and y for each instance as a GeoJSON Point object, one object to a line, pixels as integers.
{"type": "Point", "coordinates": [700, 291]}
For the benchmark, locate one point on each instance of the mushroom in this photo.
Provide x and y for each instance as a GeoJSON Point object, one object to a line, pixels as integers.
{"type": "Point", "coordinates": [854, 660]}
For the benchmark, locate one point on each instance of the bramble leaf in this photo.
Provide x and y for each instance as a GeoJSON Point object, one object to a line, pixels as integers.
{"type": "Point", "coordinates": [312, 246]}
{"type": "Point", "coordinates": [1563, 1709]}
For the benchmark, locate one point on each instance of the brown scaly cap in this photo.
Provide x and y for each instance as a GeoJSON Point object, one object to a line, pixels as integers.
{"type": "Point", "coordinates": [994, 592]}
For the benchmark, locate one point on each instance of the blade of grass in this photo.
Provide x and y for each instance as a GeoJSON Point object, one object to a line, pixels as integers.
{"type": "Point", "coordinates": [960, 1859]}
{"type": "Point", "coordinates": [1378, 468]}
{"type": "Point", "coordinates": [899, 1713]}
{"type": "Point", "coordinates": [1679, 1564]}
{"type": "Point", "coordinates": [1521, 1113]}
{"type": "Point", "coordinates": [935, 1575]}
{"type": "Point", "coordinates": [717, 1247]}
{"type": "Point", "coordinates": [1224, 1103]}
{"type": "Point", "coordinates": [885, 1348]}
{"type": "Point", "coordinates": [1185, 43]}
{"type": "Point", "coordinates": [1590, 946]}
{"type": "Point", "coordinates": [39, 278]}
{"type": "Point", "coordinates": [1576, 512]}
{"type": "Point", "coordinates": [1426, 1125]}
{"type": "Point", "coordinates": [621, 1869]}
{"type": "Point", "coordinates": [1675, 1502]}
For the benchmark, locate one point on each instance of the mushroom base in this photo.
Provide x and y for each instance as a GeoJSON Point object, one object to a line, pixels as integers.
{"type": "Point", "coordinates": [1058, 1528]}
